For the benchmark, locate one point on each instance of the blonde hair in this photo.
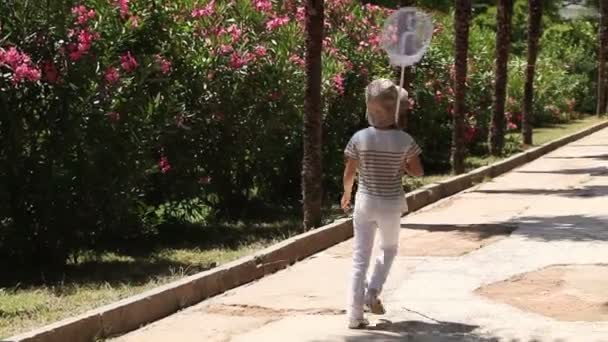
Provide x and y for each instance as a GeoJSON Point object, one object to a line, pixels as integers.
{"type": "Point", "coordinates": [381, 100]}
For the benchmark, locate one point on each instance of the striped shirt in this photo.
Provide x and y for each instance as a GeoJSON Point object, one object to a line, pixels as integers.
{"type": "Point", "coordinates": [380, 154]}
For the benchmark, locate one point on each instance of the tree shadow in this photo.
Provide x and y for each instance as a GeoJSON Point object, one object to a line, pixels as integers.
{"type": "Point", "coordinates": [587, 145]}
{"type": "Point", "coordinates": [577, 228]}
{"type": "Point", "coordinates": [482, 231]}
{"type": "Point", "coordinates": [588, 191]}
{"type": "Point", "coordinates": [419, 331]}
{"type": "Point", "coordinates": [152, 256]}
{"type": "Point", "coordinates": [595, 157]}
{"type": "Point", "coordinates": [134, 272]}
{"type": "Point", "coordinates": [594, 171]}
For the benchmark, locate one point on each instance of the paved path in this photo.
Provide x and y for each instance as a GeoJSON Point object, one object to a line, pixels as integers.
{"type": "Point", "coordinates": [559, 207]}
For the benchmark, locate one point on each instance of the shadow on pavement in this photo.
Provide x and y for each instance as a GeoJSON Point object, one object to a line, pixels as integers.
{"type": "Point", "coordinates": [544, 228]}
{"type": "Point", "coordinates": [596, 157]}
{"type": "Point", "coordinates": [588, 191]}
{"type": "Point", "coordinates": [592, 171]}
{"type": "Point", "coordinates": [482, 231]}
{"type": "Point", "coordinates": [419, 331]}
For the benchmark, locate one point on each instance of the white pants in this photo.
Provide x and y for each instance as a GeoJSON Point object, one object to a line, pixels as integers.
{"type": "Point", "coordinates": [371, 214]}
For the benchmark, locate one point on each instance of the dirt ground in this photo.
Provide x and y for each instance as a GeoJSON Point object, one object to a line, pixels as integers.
{"type": "Point", "coordinates": [566, 293]}
{"type": "Point", "coordinates": [442, 240]}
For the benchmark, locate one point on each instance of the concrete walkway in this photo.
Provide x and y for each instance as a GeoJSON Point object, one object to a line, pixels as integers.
{"type": "Point", "coordinates": [557, 210]}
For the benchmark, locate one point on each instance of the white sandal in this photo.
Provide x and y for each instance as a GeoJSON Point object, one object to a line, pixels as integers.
{"type": "Point", "coordinates": [374, 303]}
{"type": "Point", "coordinates": [360, 323]}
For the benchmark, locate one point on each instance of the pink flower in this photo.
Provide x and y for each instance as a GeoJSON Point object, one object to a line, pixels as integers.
{"type": "Point", "coordinates": [83, 14]}
{"type": "Point", "coordinates": [372, 8]}
{"type": "Point", "coordinates": [112, 75]}
{"type": "Point", "coordinates": [85, 41]}
{"type": "Point", "coordinates": [374, 40]}
{"type": "Point", "coordinates": [75, 55]}
{"type": "Point", "coordinates": [260, 51]}
{"type": "Point", "coordinates": [235, 32]}
{"type": "Point", "coordinates": [206, 11]}
{"type": "Point", "coordinates": [276, 22]}
{"type": "Point", "coordinates": [134, 20]}
{"type": "Point", "coordinates": [26, 72]}
{"type": "Point", "coordinates": [21, 65]}
{"type": "Point", "coordinates": [164, 64]}
{"type": "Point", "coordinates": [164, 164]}
{"type": "Point", "coordinates": [511, 126]}
{"type": "Point", "coordinates": [238, 61]}
{"type": "Point", "coordinates": [128, 62]}
{"type": "Point", "coordinates": [13, 58]}
{"type": "Point", "coordinates": [50, 72]}
{"type": "Point", "coordinates": [297, 60]}
{"type": "Point", "coordinates": [123, 5]}
{"type": "Point", "coordinates": [263, 5]}
{"type": "Point", "coordinates": [205, 180]}
{"type": "Point", "coordinates": [300, 14]}
{"type": "Point", "coordinates": [226, 49]}
{"type": "Point", "coordinates": [114, 117]}
{"type": "Point", "coordinates": [339, 83]}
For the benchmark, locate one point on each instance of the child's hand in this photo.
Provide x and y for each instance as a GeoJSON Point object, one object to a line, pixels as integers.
{"type": "Point", "coordinates": [345, 202]}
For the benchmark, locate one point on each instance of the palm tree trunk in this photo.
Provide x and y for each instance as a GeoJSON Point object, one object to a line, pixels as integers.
{"type": "Point", "coordinates": [602, 83]}
{"type": "Point", "coordinates": [312, 190]}
{"type": "Point", "coordinates": [402, 122]}
{"type": "Point", "coordinates": [462, 18]}
{"type": "Point", "coordinates": [535, 14]}
{"type": "Point", "coordinates": [503, 45]}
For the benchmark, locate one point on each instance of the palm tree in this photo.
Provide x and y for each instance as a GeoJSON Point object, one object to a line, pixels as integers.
{"type": "Point", "coordinates": [535, 15]}
{"type": "Point", "coordinates": [462, 16]}
{"type": "Point", "coordinates": [602, 79]}
{"type": "Point", "coordinates": [312, 190]}
{"type": "Point", "coordinates": [503, 44]}
{"type": "Point", "coordinates": [407, 79]}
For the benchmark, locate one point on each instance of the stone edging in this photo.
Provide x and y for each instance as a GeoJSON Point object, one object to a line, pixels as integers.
{"type": "Point", "coordinates": [133, 312]}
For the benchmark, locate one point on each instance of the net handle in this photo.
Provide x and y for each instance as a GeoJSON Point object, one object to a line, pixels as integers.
{"type": "Point", "coordinates": [399, 94]}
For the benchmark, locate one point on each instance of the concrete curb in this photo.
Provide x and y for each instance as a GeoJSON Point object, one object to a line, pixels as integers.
{"type": "Point", "coordinates": [131, 313]}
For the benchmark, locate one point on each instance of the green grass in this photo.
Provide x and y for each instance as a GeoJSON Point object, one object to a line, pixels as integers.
{"type": "Point", "coordinates": [546, 134]}
{"type": "Point", "coordinates": [98, 279]}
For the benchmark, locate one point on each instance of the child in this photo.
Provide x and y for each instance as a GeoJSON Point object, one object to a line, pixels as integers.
{"type": "Point", "coordinates": [380, 154]}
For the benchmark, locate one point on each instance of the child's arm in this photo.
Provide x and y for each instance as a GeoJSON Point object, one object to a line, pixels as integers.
{"type": "Point", "coordinates": [413, 166]}
{"type": "Point", "coordinates": [350, 171]}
